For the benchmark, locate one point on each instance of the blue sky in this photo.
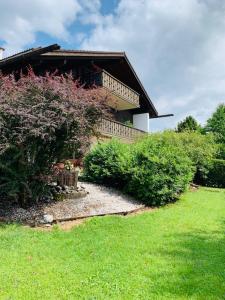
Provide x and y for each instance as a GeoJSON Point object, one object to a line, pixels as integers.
{"type": "Point", "coordinates": [106, 7]}
{"type": "Point", "coordinates": [176, 47]}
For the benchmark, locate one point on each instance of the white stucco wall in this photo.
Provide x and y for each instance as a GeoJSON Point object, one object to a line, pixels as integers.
{"type": "Point", "coordinates": [141, 121]}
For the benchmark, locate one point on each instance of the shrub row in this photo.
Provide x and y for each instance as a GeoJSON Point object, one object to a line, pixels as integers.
{"type": "Point", "coordinates": [153, 170]}
{"type": "Point", "coordinates": [159, 167]}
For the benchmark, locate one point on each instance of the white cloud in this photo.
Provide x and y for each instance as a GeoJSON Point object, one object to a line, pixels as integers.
{"type": "Point", "coordinates": [177, 48]}
{"type": "Point", "coordinates": [21, 20]}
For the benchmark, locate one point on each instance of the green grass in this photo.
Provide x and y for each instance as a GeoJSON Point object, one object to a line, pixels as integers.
{"type": "Point", "coordinates": [175, 252]}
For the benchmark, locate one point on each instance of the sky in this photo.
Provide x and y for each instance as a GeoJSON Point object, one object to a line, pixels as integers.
{"type": "Point", "coordinates": [176, 47]}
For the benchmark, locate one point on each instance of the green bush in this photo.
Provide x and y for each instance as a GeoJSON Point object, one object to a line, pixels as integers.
{"type": "Point", "coordinates": [108, 163]}
{"type": "Point", "coordinates": [201, 149]}
{"type": "Point", "coordinates": [150, 170]}
{"type": "Point", "coordinates": [216, 174]}
{"type": "Point", "coordinates": [159, 171]}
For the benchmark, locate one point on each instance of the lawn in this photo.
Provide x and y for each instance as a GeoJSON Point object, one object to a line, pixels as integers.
{"type": "Point", "coordinates": [175, 252]}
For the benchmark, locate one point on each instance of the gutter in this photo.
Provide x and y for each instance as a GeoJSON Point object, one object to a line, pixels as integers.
{"type": "Point", "coordinates": [162, 116]}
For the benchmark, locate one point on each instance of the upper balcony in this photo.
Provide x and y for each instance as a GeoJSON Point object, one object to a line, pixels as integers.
{"type": "Point", "coordinates": [122, 97]}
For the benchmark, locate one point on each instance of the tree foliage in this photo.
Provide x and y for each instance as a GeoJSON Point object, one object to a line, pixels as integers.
{"type": "Point", "coordinates": [41, 119]}
{"type": "Point", "coordinates": [216, 123]}
{"type": "Point", "coordinates": [216, 174]}
{"type": "Point", "coordinates": [201, 149]}
{"type": "Point", "coordinates": [188, 124]}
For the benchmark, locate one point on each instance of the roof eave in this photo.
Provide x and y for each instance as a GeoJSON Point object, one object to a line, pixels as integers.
{"type": "Point", "coordinates": [24, 55]}
{"type": "Point", "coordinates": [140, 83]}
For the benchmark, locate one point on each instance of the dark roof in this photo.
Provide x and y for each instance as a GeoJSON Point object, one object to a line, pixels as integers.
{"type": "Point", "coordinates": [108, 54]}
{"type": "Point", "coordinates": [27, 53]}
{"type": "Point", "coordinates": [65, 52]}
{"type": "Point", "coordinates": [55, 51]}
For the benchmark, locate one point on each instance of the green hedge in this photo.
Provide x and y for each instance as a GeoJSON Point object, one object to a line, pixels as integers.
{"type": "Point", "coordinates": [157, 168]}
{"type": "Point", "coordinates": [216, 174]}
{"type": "Point", "coordinates": [201, 149]}
{"type": "Point", "coordinates": [151, 170]}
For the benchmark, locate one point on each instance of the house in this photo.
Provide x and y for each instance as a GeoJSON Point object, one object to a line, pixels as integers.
{"type": "Point", "coordinates": [131, 108]}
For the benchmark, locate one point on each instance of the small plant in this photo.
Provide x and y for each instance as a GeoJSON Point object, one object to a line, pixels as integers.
{"type": "Point", "coordinates": [69, 166]}
{"type": "Point", "coordinates": [59, 197]}
{"type": "Point", "coordinates": [129, 124]}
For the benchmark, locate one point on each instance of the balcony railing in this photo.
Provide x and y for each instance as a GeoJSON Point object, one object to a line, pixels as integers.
{"type": "Point", "coordinates": [116, 129]}
{"type": "Point", "coordinates": [112, 84]}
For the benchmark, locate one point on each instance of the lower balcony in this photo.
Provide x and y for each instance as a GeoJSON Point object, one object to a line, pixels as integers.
{"type": "Point", "coordinates": [110, 128]}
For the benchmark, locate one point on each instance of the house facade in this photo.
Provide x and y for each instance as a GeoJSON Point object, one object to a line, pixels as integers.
{"type": "Point", "coordinates": [130, 106]}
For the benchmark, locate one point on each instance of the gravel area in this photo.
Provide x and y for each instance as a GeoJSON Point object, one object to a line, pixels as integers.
{"type": "Point", "coordinates": [100, 200]}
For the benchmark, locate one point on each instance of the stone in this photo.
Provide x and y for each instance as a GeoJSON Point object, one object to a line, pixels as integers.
{"type": "Point", "coordinates": [48, 218]}
{"type": "Point", "coordinates": [65, 188]}
{"type": "Point", "coordinates": [58, 188]}
{"type": "Point", "coordinates": [48, 225]}
{"type": "Point", "coordinates": [21, 210]}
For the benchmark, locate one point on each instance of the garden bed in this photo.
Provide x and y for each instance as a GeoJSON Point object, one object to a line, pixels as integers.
{"type": "Point", "coordinates": [95, 200]}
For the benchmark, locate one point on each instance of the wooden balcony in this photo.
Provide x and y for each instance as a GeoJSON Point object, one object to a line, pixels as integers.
{"type": "Point", "coordinates": [112, 128]}
{"type": "Point", "coordinates": [121, 96]}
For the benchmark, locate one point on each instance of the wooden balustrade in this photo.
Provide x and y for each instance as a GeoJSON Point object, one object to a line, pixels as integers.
{"type": "Point", "coordinates": [119, 88]}
{"type": "Point", "coordinates": [115, 129]}
{"type": "Point", "coordinates": [114, 85]}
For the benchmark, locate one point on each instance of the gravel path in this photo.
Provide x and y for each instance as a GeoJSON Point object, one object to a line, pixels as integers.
{"type": "Point", "coordinates": [100, 200]}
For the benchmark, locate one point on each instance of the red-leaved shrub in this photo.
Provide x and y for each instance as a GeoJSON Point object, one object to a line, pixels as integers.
{"type": "Point", "coordinates": [42, 120]}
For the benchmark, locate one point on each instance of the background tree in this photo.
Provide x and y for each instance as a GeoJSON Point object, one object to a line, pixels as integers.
{"type": "Point", "coordinates": [216, 124]}
{"type": "Point", "coordinates": [188, 124]}
{"type": "Point", "coordinates": [41, 119]}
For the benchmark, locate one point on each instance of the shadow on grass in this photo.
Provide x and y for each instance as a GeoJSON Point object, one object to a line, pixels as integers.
{"type": "Point", "coordinates": [196, 266]}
